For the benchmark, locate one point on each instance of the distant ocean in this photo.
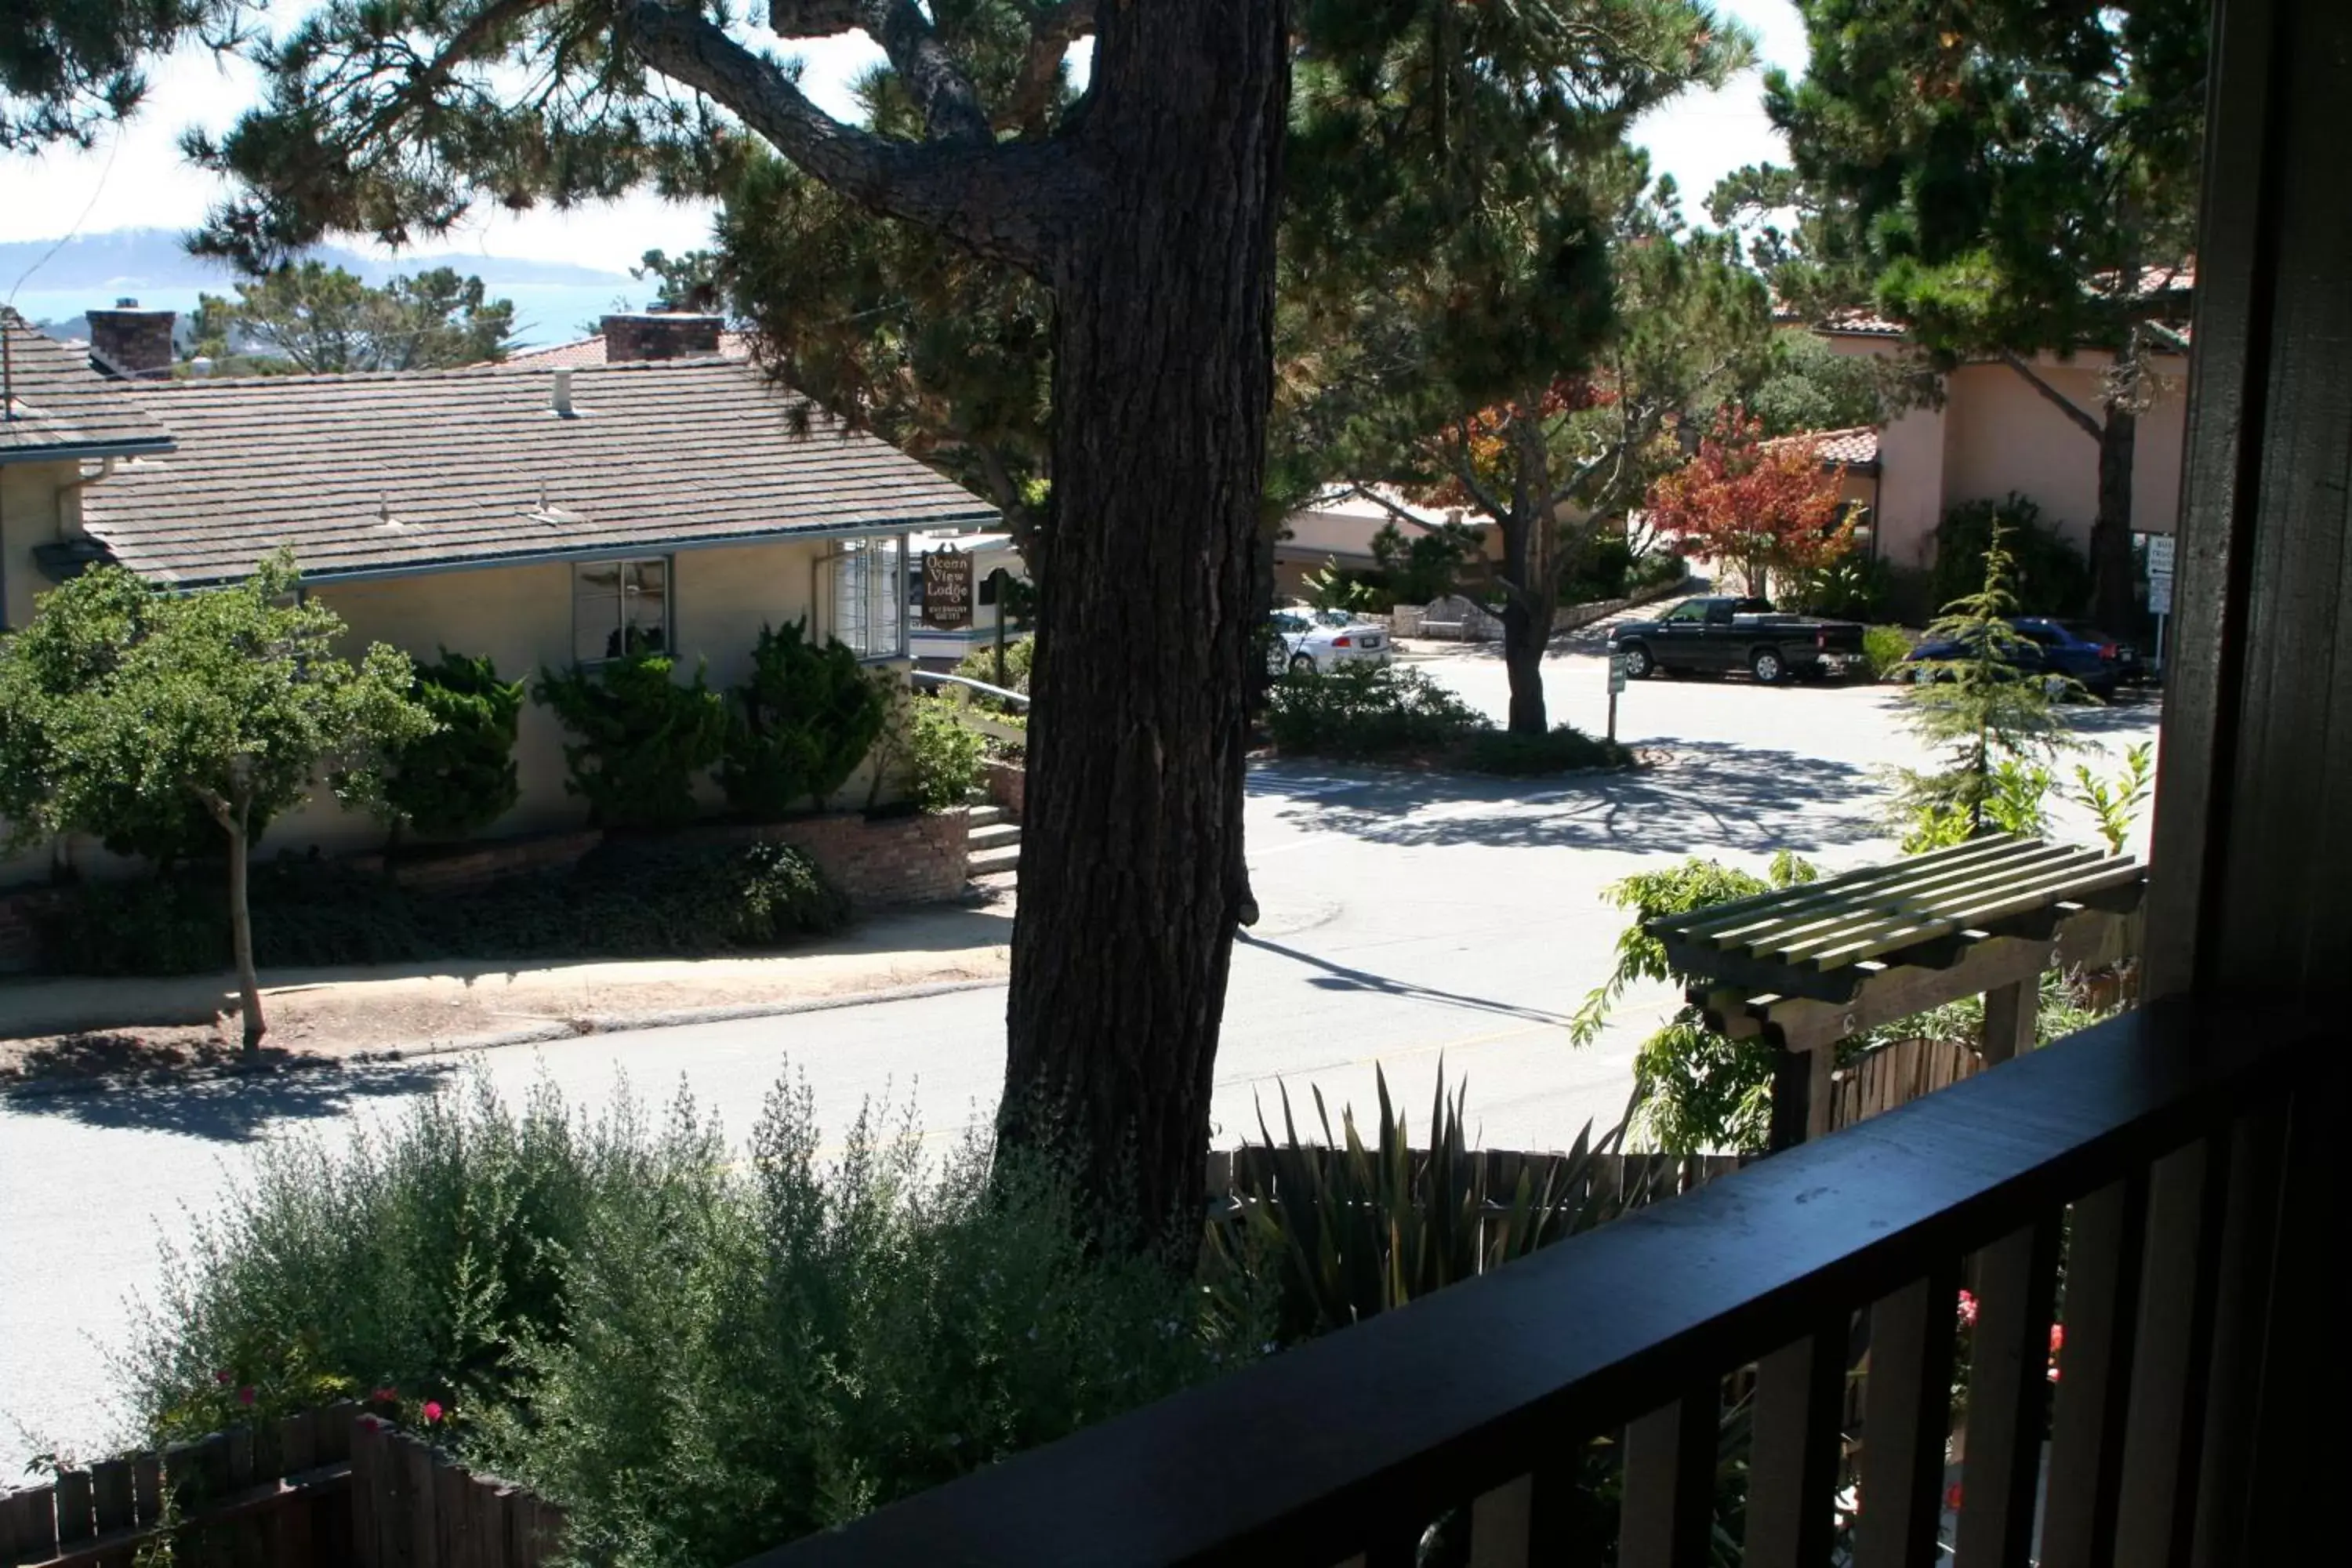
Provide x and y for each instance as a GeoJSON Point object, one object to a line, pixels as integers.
{"type": "Point", "coordinates": [544, 312]}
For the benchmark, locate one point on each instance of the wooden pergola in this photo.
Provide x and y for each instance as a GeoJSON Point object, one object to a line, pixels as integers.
{"type": "Point", "coordinates": [1804, 967]}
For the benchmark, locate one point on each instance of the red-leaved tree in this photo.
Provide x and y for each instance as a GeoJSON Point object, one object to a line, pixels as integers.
{"type": "Point", "coordinates": [1767, 506]}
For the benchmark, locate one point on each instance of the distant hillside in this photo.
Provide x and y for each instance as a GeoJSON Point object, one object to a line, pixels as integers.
{"type": "Point", "coordinates": [123, 261]}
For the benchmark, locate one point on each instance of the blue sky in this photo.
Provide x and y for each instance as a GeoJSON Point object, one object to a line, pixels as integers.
{"type": "Point", "coordinates": [136, 178]}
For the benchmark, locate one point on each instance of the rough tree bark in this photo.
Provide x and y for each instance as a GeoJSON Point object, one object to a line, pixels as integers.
{"type": "Point", "coordinates": [1531, 567]}
{"type": "Point", "coordinates": [234, 821]}
{"type": "Point", "coordinates": [1163, 383]}
{"type": "Point", "coordinates": [2114, 597]}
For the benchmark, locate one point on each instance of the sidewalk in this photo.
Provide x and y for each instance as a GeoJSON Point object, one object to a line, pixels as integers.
{"type": "Point", "coordinates": [79, 1026]}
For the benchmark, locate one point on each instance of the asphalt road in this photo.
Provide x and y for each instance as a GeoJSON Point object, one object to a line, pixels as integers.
{"type": "Point", "coordinates": [1409, 920]}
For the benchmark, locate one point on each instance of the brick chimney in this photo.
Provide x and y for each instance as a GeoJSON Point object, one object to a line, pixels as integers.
{"type": "Point", "coordinates": [660, 334]}
{"type": "Point", "coordinates": [133, 342]}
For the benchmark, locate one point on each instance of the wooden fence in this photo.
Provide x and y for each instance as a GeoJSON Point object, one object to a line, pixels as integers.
{"type": "Point", "coordinates": [320, 1489]}
{"type": "Point", "coordinates": [1897, 1075]}
{"type": "Point", "coordinates": [1623, 1181]}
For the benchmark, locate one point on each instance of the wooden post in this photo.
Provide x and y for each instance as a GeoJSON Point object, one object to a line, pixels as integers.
{"type": "Point", "coordinates": [2009, 1019]}
{"type": "Point", "coordinates": [1792, 1093]}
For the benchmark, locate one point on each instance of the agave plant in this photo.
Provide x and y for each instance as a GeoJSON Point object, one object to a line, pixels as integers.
{"type": "Point", "coordinates": [1346, 1230]}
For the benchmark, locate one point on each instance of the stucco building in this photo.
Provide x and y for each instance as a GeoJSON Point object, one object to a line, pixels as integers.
{"type": "Point", "coordinates": [537, 516]}
{"type": "Point", "coordinates": [1995, 433]}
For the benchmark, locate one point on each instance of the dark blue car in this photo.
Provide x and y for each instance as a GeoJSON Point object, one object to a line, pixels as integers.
{"type": "Point", "coordinates": [2075, 649]}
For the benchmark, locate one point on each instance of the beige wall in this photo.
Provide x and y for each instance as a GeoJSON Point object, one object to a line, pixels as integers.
{"type": "Point", "coordinates": [30, 496]}
{"type": "Point", "coordinates": [1996, 434]}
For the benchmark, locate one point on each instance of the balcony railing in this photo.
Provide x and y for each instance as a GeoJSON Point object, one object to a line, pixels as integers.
{"type": "Point", "coordinates": [2144, 1156]}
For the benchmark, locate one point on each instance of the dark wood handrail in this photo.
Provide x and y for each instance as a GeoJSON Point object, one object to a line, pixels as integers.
{"type": "Point", "coordinates": [1414, 1411]}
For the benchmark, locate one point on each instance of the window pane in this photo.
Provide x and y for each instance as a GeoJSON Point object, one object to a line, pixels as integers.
{"type": "Point", "coordinates": [645, 609]}
{"type": "Point", "coordinates": [596, 610]}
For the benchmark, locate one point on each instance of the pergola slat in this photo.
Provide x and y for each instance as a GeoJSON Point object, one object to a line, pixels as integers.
{"type": "Point", "coordinates": [1938, 896]}
{"type": "Point", "coordinates": [1718, 919]}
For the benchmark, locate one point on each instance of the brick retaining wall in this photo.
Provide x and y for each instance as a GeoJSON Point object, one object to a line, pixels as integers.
{"type": "Point", "coordinates": [1008, 786]}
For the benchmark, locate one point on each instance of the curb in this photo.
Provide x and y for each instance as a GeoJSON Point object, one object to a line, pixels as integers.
{"type": "Point", "coordinates": [538, 1034]}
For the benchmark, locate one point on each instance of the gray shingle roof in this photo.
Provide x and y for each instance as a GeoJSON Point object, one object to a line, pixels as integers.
{"type": "Point", "coordinates": [423, 471]}
{"type": "Point", "coordinates": [57, 407]}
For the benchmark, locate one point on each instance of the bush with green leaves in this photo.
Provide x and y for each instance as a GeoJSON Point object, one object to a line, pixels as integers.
{"type": "Point", "coordinates": [1855, 587]}
{"type": "Point", "coordinates": [1020, 659]}
{"type": "Point", "coordinates": [696, 1356]}
{"type": "Point", "coordinates": [1427, 565]}
{"type": "Point", "coordinates": [1886, 648]}
{"type": "Point", "coordinates": [462, 776]}
{"type": "Point", "coordinates": [643, 738]}
{"type": "Point", "coordinates": [1562, 749]}
{"type": "Point", "coordinates": [2047, 576]}
{"type": "Point", "coordinates": [1694, 1091]}
{"type": "Point", "coordinates": [800, 726]}
{"type": "Point", "coordinates": [2115, 805]}
{"type": "Point", "coordinates": [1368, 711]}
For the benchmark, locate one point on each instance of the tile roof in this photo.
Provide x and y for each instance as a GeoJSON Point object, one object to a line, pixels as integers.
{"type": "Point", "coordinates": [420, 471]}
{"type": "Point", "coordinates": [1856, 447]}
{"type": "Point", "coordinates": [57, 407]}
{"type": "Point", "coordinates": [591, 351]}
{"type": "Point", "coordinates": [1861, 324]}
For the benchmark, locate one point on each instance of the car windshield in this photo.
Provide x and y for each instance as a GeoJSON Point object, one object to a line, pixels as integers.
{"type": "Point", "coordinates": [1334, 618]}
{"type": "Point", "coordinates": [1284, 622]}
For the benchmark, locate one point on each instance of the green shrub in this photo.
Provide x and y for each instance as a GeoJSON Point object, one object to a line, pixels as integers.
{"type": "Point", "coordinates": [630, 899]}
{"type": "Point", "coordinates": [1887, 648]}
{"type": "Point", "coordinates": [1659, 568]}
{"type": "Point", "coordinates": [461, 778]}
{"type": "Point", "coordinates": [1020, 659]}
{"type": "Point", "coordinates": [1368, 710]}
{"type": "Point", "coordinates": [697, 1357]}
{"type": "Point", "coordinates": [1564, 749]}
{"type": "Point", "coordinates": [1854, 588]}
{"type": "Point", "coordinates": [2047, 576]}
{"type": "Point", "coordinates": [943, 758]}
{"type": "Point", "coordinates": [800, 726]}
{"type": "Point", "coordinates": [643, 737]}
{"type": "Point", "coordinates": [1426, 566]}
{"type": "Point", "coordinates": [1606, 572]}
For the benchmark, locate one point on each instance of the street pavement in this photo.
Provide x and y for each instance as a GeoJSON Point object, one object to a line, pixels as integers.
{"type": "Point", "coordinates": [1412, 921]}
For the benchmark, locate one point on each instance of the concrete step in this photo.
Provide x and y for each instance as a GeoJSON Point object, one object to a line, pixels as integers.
{"type": "Point", "coordinates": [987, 862]}
{"type": "Point", "coordinates": [995, 836]}
{"type": "Point", "coordinates": [985, 815]}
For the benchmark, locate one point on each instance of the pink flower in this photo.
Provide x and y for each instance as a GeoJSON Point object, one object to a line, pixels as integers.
{"type": "Point", "coordinates": [246, 1395]}
{"type": "Point", "coordinates": [1952, 1498]}
{"type": "Point", "coordinates": [385, 1395]}
{"type": "Point", "coordinates": [432, 1411]}
{"type": "Point", "coordinates": [2057, 1343]}
{"type": "Point", "coordinates": [1968, 1310]}
{"type": "Point", "coordinates": [223, 1378]}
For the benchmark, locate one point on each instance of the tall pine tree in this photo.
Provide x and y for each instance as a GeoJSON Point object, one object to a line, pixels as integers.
{"type": "Point", "coordinates": [2009, 178]}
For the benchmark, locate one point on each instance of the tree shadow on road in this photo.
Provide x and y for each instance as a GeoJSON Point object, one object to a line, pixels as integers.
{"type": "Point", "coordinates": [1702, 796]}
{"type": "Point", "coordinates": [233, 1107]}
{"type": "Point", "coordinates": [1339, 978]}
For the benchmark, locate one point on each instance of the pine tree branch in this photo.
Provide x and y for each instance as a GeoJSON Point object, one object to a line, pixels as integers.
{"type": "Point", "coordinates": [1013, 203]}
{"type": "Point", "coordinates": [2066, 405]}
{"type": "Point", "coordinates": [952, 108]}
{"type": "Point", "coordinates": [1052, 31]}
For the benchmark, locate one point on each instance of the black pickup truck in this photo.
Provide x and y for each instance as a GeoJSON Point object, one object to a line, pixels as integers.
{"type": "Point", "coordinates": [1715, 636]}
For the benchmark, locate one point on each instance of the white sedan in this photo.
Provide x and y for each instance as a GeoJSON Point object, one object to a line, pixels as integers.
{"type": "Point", "coordinates": [1322, 640]}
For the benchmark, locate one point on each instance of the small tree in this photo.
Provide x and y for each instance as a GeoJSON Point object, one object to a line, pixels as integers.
{"type": "Point", "coordinates": [1770, 506]}
{"type": "Point", "coordinates": [129, 700]}
{"type": "Point", "coordinates": [461, 778]}
{"type": "Point", "coordinates": [1427, 565]}
{"type": "Point", "coordinates": [643, 737]}
{"type": "Point", "coordinates": [1992, 723]}
{"type": "Point", "coordinates": [322, 318]}
{"type": "Point", "coordinates": [801, 725]}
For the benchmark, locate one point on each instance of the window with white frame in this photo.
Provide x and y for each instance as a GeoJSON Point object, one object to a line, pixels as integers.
{"type": "Point", "coordinates": [868, 596]}
{"type": "Point", "coordinates": [620, 607]}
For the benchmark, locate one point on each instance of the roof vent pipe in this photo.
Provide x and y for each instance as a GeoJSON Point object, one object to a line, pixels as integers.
{"type": "Point", "coordinates": [563, 399]}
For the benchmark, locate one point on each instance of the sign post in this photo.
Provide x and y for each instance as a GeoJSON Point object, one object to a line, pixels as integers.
{"type": "Point", "coordinates": [947, 589]}
{"type": "Point", "coordinates": [1616, 685]}
{"type": "Point", "coordinates": [1000, 577]}
{"type": "Point", "coordinates": [2159, 589]}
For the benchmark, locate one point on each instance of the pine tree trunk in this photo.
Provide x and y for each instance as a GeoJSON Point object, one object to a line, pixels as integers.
{"type": "Point", "coordinates": [240, 934]}
{"type": "Point", "coordinates": [2115, 597]}
{"type": "Point", "coordinates": [1131, 832]}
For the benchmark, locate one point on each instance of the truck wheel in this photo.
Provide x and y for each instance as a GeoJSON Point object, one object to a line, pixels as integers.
{"type": "Point", "coordinates": [1639, 665]}
{"type": "Point", "coordinates": [1768, 667]}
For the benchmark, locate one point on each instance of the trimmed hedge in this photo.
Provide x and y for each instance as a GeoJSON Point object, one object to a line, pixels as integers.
{"type": "Point", "coordinates": [627, 899]}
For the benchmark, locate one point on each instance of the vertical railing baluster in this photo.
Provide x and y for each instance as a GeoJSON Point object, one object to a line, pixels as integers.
{"type": "Point", "coordinates": [2169, 1346]}
{"type": "Point", "coordinates": [1669, 1510]}
{"type": "Point", "coordinates": [2274, 1318]}
{"type": "Point", "coordinates": [1502, 1525]}
{"type": "Point", "coordinates": [1906, 1411]}
{"type": "Point", "coordinates": [2009, 1396]}
{"type": "Point", "coordinates": [1793, 1452]}
{"type": "Point", "coordinates": [2093, 1395]}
